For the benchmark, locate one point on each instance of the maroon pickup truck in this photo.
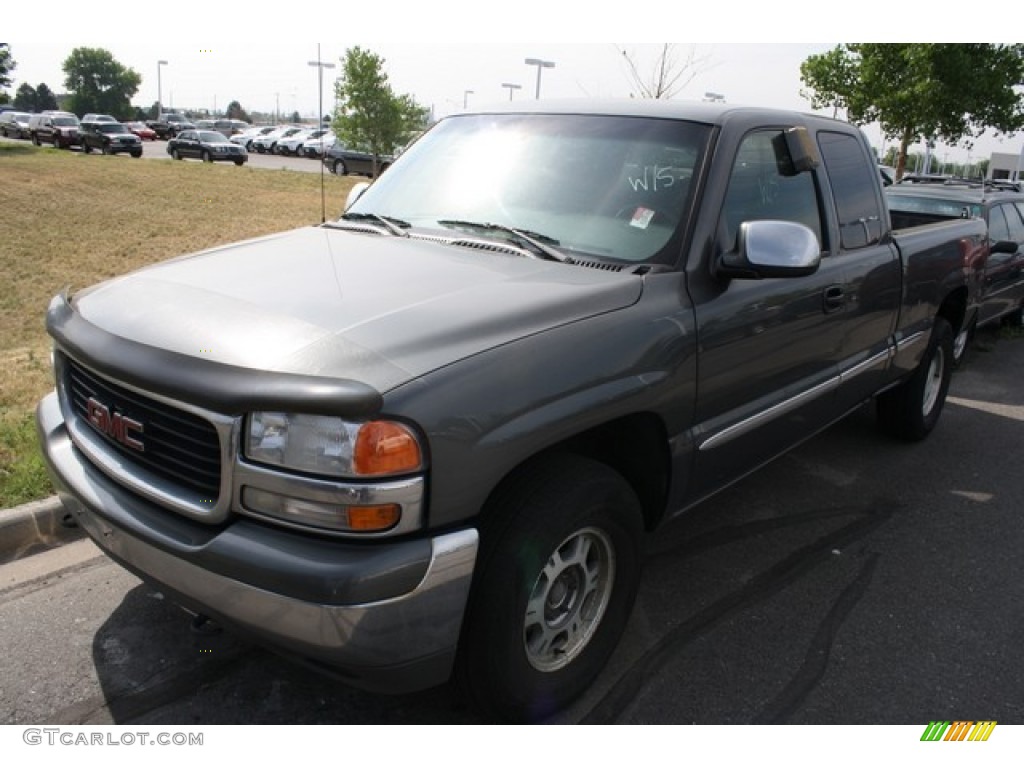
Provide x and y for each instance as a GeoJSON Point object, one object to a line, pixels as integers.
{"type": "Point", "coordinates": [427, 439]}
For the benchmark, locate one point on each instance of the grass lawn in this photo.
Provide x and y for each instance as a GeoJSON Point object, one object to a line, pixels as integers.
{"type": "Point", "coordinates": [68, 219]}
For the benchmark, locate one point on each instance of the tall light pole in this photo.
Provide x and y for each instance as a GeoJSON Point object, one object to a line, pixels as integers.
{"type": "Point", "coordinates": [540, 64]}
{"type": "Point", "coordinates": [511, 87]}
{"type": "Point", "coordinates": [159, 90]}
{"type": "Point", "coordinates": [465, 98]}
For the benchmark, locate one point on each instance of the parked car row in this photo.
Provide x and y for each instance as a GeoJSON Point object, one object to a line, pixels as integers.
{"type": "Point", "coordinates": [204, 140]}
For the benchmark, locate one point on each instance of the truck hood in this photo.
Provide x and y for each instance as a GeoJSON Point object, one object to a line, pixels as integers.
{"type": "Point", "coordinates": [327, 302]}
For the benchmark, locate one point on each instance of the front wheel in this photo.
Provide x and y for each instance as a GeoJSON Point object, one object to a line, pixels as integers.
{"type": "Point", "coordinates": [911, 410]}
{"type": "Point", "coordinates": [559, 568]}
{"type": "Point", "coordinates": [339, 168]}
{"type": "Point", "coordinates": [207, 157]}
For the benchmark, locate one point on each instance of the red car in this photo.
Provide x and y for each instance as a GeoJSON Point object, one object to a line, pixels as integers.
{"type": "Point", "coordinates": [141, 130]}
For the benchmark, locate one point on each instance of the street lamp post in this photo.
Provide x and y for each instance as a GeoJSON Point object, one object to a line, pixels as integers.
{"type": "Point", "coordinates": [511, 87]}
{"type": "Point", "coordinates": [540, 64]}
{"type": "Point", "coordinates": [159, 90]}
{"type": "Point", "coordinates": [465, 98]}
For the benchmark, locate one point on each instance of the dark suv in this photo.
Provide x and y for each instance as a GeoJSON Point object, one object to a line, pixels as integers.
{"type": "Point", "coordinates": [109, 138]}
{"type": "Point", "coordinates": [170, 124]}
{"type": "Point", "coordinates": [57, 128]}
{"type": "Point", "coordinates": [1001, 289]}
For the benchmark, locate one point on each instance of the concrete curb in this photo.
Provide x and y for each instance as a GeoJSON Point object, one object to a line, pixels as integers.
{"type": "Point", "coordinates": [34, 527]}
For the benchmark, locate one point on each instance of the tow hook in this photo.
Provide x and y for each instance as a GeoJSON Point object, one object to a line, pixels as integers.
{"type": "Point", "coordinates": [204, 625]}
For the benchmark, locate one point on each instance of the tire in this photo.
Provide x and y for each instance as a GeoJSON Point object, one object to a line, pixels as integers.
{"type": "Point", "coordinates": [136, 154]}
{"type": "Point", "coordinates": [86, 148]}
{"type": "Point", "coordinates": [207, 157]}
{"type": "Point", "coordinates": [962, 342]}
{"type": "Point", "coordinates": [239, 162]}
{"type": "Point", "coordinates": [106, 149]}
{"type": "Point", "coordinates": [38, 143]}
{"type": "Point", "coordinates": [911, 410]}
{"type": "Point", "coordinates": [339, 168]}
{"type": "Point", "coordinates": [559, 566]}
{"type": "Point", "coordinates": [176, 155]}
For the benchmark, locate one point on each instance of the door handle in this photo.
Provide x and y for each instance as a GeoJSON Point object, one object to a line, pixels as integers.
{"type": "Point", "coordinates": [833, 299]}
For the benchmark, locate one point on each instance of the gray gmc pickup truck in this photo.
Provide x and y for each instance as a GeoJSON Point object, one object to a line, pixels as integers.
{"type": "Point", "coordinates": [426, 441]}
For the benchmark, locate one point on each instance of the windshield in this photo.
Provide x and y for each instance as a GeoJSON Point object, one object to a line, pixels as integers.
{"type": "Point", "coordinates": [614, 188]}
{"type": "Point", "coordinates": [962, 209]}
{"type": "Point", "coordinates": [212, 137]}
{"type": "Point", "coordinates": [111, 128]}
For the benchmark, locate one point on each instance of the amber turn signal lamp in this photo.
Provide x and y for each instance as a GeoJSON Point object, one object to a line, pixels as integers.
{"type": "Point", "coordinates": [386, 448]}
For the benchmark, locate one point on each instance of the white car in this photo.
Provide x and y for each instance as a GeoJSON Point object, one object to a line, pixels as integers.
{"type": "Point", "coordinates": [289, 145]}
{"type": "Point", "coordinates": [268, 141]}
{"type": "Point", "coordinates": [245, 137]}
{"type": "Point", "coordinates": [316, 147]}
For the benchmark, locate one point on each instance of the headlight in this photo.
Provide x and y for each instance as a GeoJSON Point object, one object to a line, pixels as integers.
{"type": "Point", "coordinates": [331, 446]}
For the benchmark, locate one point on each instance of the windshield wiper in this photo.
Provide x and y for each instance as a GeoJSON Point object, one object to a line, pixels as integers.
{"type": "Point", "coordinates": [539, 243]}
{"type": "Point", "coordinates": [395, 226]}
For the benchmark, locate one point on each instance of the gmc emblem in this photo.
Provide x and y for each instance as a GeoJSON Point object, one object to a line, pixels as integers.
{"type": "Point", "coordinates": [121, 428]}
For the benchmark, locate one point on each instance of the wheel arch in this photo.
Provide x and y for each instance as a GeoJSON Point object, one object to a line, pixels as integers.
{"type": "Point", "coordinates": [954, 309]}
{"type": "Point", "coordinates": [635, 446]}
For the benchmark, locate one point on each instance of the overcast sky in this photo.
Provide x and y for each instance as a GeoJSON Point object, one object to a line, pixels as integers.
{"type": "Point", "coordinates": [429, 55]}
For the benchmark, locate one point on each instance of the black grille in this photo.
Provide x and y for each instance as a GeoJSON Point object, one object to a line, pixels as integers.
{"type": "Point", "coordinates": [178, 446]}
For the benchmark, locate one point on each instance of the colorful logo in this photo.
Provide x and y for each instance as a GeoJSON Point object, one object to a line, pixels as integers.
{"type": "Point", "coordinates": [960, 730]}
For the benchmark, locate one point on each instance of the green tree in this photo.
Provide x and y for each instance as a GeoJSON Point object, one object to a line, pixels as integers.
{"type": "Point", "coordinates": [36, 99]}
{"type": "Point", "coordinates": [45, 98]}
{"type": "Point", "coordinates": [921, 91]}
{"type": "Point", "coordinates": [98, 83]}
{"type": "Point", "coordinates": [235, 112]}
{"type": "Point", "coordinates": [7, 65]}
{"type": "Point", "coordinates": [370, 116]}
{"type": "Point", "coordinates": [25, 98]}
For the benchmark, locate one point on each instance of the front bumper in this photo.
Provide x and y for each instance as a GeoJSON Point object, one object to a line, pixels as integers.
{"type": "Point", "coordinates": [385, 616]}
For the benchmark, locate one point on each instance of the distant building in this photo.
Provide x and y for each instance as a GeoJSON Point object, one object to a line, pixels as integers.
{"type": "Point", "coordinates": [1004, 165]}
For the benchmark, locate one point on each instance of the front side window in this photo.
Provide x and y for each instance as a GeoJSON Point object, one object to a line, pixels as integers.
{"type": "Point", "coordinates": [757, 190]}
